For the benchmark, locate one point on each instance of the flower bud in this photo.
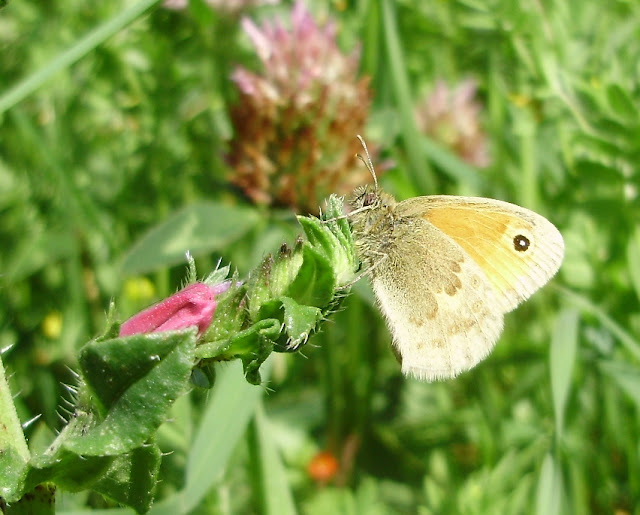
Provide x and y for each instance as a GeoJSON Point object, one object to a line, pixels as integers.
{"type": "Point", "coordinates": [192, 306]}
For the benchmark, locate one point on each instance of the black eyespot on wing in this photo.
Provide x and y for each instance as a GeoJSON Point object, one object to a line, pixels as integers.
{"type": "Point", "coordinates": [521, 243]}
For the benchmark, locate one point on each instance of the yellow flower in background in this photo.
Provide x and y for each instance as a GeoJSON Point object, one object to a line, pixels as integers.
{"type": "Point", "coordinates": [52, 325]}
{"type": "Point", "coordinates": [139, 289]}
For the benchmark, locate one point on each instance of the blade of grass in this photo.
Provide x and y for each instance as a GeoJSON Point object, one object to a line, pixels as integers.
{"type": "Point", "coordinates": [452, 165]}
{"type": "Point", "coordinates": [628, 341]}
{"type": "Point", "coordinates": [562, 358]}
{"type": "Point", "coordinates": [233, 402]}
{"type": "Point", "coordinates": [275, 494]}
{"type": "Point", "coordinates": [96, 37]}
{"type": "Point", "coordinates": [633, 259]}
{"type": "Point", "coordinates": [400, 82]}
{"type": "Point", "coordinates": [550, 488]}
{"type": "Point", "coordinates": [626, 376]}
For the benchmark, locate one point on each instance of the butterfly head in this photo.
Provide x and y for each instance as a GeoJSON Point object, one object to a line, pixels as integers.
{"type": "Point", "coordinates": [370, 207]}
{"type": "Point", "coordinates": [372, 210]}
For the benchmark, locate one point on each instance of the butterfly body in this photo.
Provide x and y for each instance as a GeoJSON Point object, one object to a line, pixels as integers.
{"type": "Point", "coordinates": [446, 269]}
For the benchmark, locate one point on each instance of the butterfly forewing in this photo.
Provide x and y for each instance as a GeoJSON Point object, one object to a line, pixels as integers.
{"type": "Point", "coordinates": [518, 250]}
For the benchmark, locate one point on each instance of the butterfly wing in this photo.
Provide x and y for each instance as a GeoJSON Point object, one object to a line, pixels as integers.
{"type": "Point", "coordinates": [443, 312]}
{"type": "Point", "coordinates": [518, 250]}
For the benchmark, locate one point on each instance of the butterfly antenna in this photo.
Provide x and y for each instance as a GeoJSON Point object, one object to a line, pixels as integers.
{"type": "Point", "coordinates": [368, 162]}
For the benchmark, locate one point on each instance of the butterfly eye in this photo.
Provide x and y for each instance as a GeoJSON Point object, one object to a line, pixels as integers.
{"type": "Point", "coordinates": [370, 198]}
{"type": "Point", "coordinates": [521, 243]}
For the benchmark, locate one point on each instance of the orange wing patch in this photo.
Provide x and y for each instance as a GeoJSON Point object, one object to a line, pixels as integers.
{"type": "Point", "coordinates": [487, 237]}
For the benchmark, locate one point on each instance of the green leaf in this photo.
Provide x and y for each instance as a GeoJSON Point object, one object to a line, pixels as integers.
{"type": "Point", "coordinates": [11, 435]}
{"type": "Point", "coordinates": [452, 165]}
{"type": "Point", "coordinates": [252, 346]}
{"type": "Point", "coordinates": [111, 366]}
{"type": "Point", "coordinates": [131, 478]}
{"type": "Point", "coordinates": [400, 82]}
{"type": "Point", "coordinates": [229, 316]}
{"type": "Point", "coordinates": [332, 238]}
{"type": "Point", "coordinates": [67, 469]}
{"type": "Point", "coordinates": [623, 336]}
{"type": "Point", "coordinates": [550, 488]}
{"type": "Point", "coordinates": [621, 104]}
{"type": "Point", "coordinates": [231, 405]}
{"type": "Point", "coordinates": [37, 250]}
{"type": "Point", "coordinates": [241, 343]}
{"type": "Point", "coordinates": [562, 359]}
{"type": "Point", "coordinates": [198, 228]}
{"type": "Point", "coordinates": [601, 173]}
{"type": "Point", "coordinates": [315, 282]}
{"type": "Point", "coordinates": [13, 471]}
{"type": "Point", "coordinates": [273, 486]}
{"type": "Point", "coordinates": [14, 454]}
{"type": "Point", "coordinates": [348, 501]}
{"type": "Point", "coordinates": [136, 378]}
{"type": "Point", "coordinates": [626, 376]}
{"type": "Point", "coordinates": [633, 259]}
{"type": "Point", "coordinates": [78, 50]}
{"type": "Point", "coordinates": [299, 321]}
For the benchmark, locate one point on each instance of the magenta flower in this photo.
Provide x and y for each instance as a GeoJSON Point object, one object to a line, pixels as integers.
{"type": "Point", "coordinates": [451, 116]}
{"type": "Point", "coordinates": [296, 120]}
{"type": "Point", "coordinates": [192, 306]}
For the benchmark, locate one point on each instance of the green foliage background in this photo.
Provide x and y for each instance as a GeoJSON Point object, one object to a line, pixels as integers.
{"type": "Point", "coordinates": [127, 131]}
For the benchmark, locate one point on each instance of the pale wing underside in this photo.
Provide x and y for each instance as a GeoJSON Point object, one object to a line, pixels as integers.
{"type": "Point", "coordinates": [444, 314]}
{"type": "Point", "coordinates": [485, 229]}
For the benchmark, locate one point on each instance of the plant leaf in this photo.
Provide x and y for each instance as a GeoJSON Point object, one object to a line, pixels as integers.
{"type": "Point", "coordinates": [550, 488]}
{"type": "Point", "coordinates": [131, 478]}
{"type": "Point", "coordinates": [198, 228]}
{"type": "Point", "coordinates": [272, 480]}
{"type": "Point", "coordinates": [136, 379]}
{"type": "Point", "coordinates": [562, 358]}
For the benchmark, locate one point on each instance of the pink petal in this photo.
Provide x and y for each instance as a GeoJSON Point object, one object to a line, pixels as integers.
{"type": "Point", "coordinates": [193, 306]}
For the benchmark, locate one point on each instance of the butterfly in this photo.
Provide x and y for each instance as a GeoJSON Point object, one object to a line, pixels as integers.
{"type": "Point", "coordinates": [446, 269]}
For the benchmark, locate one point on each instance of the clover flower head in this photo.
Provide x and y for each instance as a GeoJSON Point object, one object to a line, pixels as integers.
{"type": "Point", "coordinates": [452, 118]}
{"type": "Point", "coordinates": [296, 120]}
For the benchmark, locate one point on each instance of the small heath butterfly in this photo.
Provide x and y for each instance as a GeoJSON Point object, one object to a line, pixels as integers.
{"type": "Point", "coordinates": [446, 269]}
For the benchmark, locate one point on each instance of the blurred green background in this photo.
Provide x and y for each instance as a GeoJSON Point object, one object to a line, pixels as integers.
{"type": "Point", "coordinates": [115, 132]}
